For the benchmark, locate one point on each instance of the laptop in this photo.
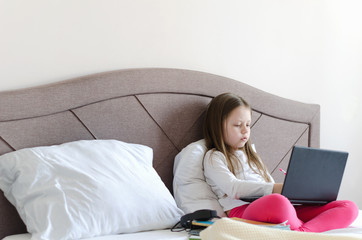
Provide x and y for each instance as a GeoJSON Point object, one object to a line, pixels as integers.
{"type": "Point", "coordinates": [313, 176]}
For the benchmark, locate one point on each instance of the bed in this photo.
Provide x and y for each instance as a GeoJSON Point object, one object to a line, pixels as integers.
{"type": "Point", "coordinates": [155, 107]}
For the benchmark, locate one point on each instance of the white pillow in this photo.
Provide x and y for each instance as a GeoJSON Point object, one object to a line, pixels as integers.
{"type": "Point", "coordinates": [87, 188]}
{"type": "Point", "coordinates": [189, 185]}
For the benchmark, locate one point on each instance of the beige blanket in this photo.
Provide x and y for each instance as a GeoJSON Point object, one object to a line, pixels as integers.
{"type": "Point", "coordinates": [227, 229]}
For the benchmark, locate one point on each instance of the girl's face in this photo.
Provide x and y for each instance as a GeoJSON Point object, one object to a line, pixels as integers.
{"type": "Point", "coordinates": [237, 127]}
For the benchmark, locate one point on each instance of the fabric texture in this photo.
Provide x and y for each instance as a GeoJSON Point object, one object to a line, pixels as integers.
{"type": "Point", "coordinates": [87, 188]}
{"type": "Point", "coordinates": [276, 208]}
{"type": "Point", "coordinates": [229, 187]}
{"type": "Point", "coordinates": [228, 229]}
{"type": "Point", "coordinates": [191, 191]}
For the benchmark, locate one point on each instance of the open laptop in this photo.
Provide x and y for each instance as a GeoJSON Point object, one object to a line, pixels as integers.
{"type": "Point", "coordinates": [313, 176]}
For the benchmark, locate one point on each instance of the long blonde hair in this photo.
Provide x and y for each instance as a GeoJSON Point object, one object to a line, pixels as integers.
{"type": "Point", "coordinates": [217, 111]}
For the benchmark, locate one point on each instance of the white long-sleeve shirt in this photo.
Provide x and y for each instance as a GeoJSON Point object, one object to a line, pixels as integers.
{"type": "Point", "coordinates": [228, 187]}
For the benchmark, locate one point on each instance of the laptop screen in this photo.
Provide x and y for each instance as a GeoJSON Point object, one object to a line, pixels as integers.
{"type": "Point", "coordinates": [314, 174]}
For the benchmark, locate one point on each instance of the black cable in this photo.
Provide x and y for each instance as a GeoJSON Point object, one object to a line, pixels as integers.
{"type": "Point", "coordinates": [174, 229]}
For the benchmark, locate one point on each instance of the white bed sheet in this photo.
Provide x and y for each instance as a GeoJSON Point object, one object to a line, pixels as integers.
{"type": "Point", "coordinates": [354, 230]}
{"type": "Point", "coordinates": [149, 235]}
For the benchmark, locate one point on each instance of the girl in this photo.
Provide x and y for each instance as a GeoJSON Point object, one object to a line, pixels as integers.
{"type": "Point", "coordinates": [234, 170]}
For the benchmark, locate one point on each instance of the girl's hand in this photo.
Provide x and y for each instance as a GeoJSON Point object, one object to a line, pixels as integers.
{"type": "Point", "coordinates": [277, 188]}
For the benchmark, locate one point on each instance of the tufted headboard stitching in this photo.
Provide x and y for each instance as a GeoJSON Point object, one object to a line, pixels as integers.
{"type": "Point", "coordinates": [160, 108]}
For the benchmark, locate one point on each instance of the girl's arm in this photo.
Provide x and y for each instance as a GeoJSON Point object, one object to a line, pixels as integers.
{"type": "Point", "coordinates": [277, 188]}
{"type": "Point", "coordinates": [219, 177]}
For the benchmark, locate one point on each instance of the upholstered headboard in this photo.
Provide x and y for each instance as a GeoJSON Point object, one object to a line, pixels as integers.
{"type": "Point", "coordinates": [160, 108]}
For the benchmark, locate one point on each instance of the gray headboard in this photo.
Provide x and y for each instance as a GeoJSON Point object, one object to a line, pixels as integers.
{"type": "Point", "coordinates": [160, 108]}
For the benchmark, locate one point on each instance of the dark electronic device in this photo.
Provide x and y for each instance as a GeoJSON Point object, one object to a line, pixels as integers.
{"type": "Point", "coordinates": [313, 176]}
{"type": "Point", "coordinates": [200, 215]}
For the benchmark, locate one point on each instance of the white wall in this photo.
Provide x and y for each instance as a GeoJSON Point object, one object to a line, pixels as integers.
{"type": "Point", "coordinates": [306, 50]}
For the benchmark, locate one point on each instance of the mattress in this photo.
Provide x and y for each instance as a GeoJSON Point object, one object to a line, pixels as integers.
{"type": "Point", "coordinates": [355, 230]}
{"type": "Point", "coordinates": [168, 235]}
{"type": "Point", "coordinates": [149, 235]}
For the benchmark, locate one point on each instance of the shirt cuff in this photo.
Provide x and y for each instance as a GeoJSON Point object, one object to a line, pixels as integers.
{"type": "Point", "coordinates": [268, 188]}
